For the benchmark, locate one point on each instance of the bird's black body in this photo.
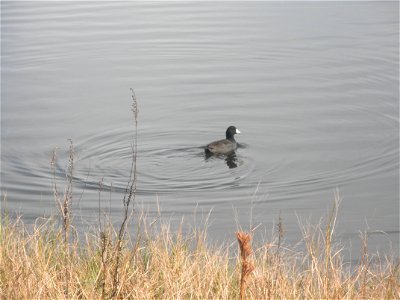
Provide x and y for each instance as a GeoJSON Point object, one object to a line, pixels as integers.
{"type": "Point", "coordinates": [225, 146]}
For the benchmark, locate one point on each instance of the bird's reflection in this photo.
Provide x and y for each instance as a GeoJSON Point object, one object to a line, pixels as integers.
{"type": "Point", "coordinates": [230, 159]}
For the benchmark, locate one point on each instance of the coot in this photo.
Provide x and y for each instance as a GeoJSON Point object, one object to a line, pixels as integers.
{"type": "Point", "coordinates": [224, 146]}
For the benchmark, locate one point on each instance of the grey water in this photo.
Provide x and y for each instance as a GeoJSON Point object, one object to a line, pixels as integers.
{"type": "Point", "coordinates": [312, 86]}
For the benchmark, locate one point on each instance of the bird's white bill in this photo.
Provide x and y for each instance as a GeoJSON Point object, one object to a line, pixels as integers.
{"type": "Point", "coordinates": [237, 130]}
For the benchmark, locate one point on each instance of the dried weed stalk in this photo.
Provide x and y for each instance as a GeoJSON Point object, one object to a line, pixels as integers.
{"type": "Point", "coordinates": [244, 240]}
{"type": "Point", "coordinates": [64, 204]}
{"type": "Point", "coordinates": [128, 200]}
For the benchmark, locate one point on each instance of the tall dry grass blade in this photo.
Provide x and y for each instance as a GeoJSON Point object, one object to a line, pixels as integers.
{"type": "Point", "coordinates": [128, 200]}
{"type": "Point", "coordinates": [244, 240]}
{"type": "Point", "coordinates": [64, 204]}
{"type": "Point", "coordinates": [329, 234]}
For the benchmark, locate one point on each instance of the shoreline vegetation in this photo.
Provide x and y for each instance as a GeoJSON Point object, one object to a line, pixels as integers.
{"type": "Point", "coordinates": [36, 262]}
{"type": "Point", "coordinates": [51, 260]}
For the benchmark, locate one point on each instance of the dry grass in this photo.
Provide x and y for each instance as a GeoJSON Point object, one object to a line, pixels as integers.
{"type": "Point", "coordinates": [157, 263]}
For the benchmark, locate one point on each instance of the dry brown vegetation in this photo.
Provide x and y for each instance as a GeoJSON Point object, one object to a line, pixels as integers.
{"type": "Point", "coordinates": [37, 263]}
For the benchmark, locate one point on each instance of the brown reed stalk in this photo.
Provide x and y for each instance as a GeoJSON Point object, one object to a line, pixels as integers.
{"type": "Point", "coordinates": [281, 232]}
{"type": "Point", "coordinates": [244, 240]}
{"type": "Point", "coordinates": [329, 235]}
{"type": "Point", "coordinates": [128, 200]}
{"type": "Point", "coordinates": [64, 204]}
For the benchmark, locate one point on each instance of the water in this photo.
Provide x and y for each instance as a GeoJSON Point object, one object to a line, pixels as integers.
{"type": "Point", "coordinates": [312, 86]}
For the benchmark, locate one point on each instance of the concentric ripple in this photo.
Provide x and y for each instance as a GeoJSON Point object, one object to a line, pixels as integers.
{"type": "Point", "coordinates": [166, 162]}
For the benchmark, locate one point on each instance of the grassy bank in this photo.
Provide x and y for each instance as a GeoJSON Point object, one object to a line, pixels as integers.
{"type": "Point", "coordinates": [38, 263]}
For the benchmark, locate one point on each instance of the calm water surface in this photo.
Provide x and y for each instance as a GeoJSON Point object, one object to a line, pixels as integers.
{"type": "Point", "coordinates": [312, 86]}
